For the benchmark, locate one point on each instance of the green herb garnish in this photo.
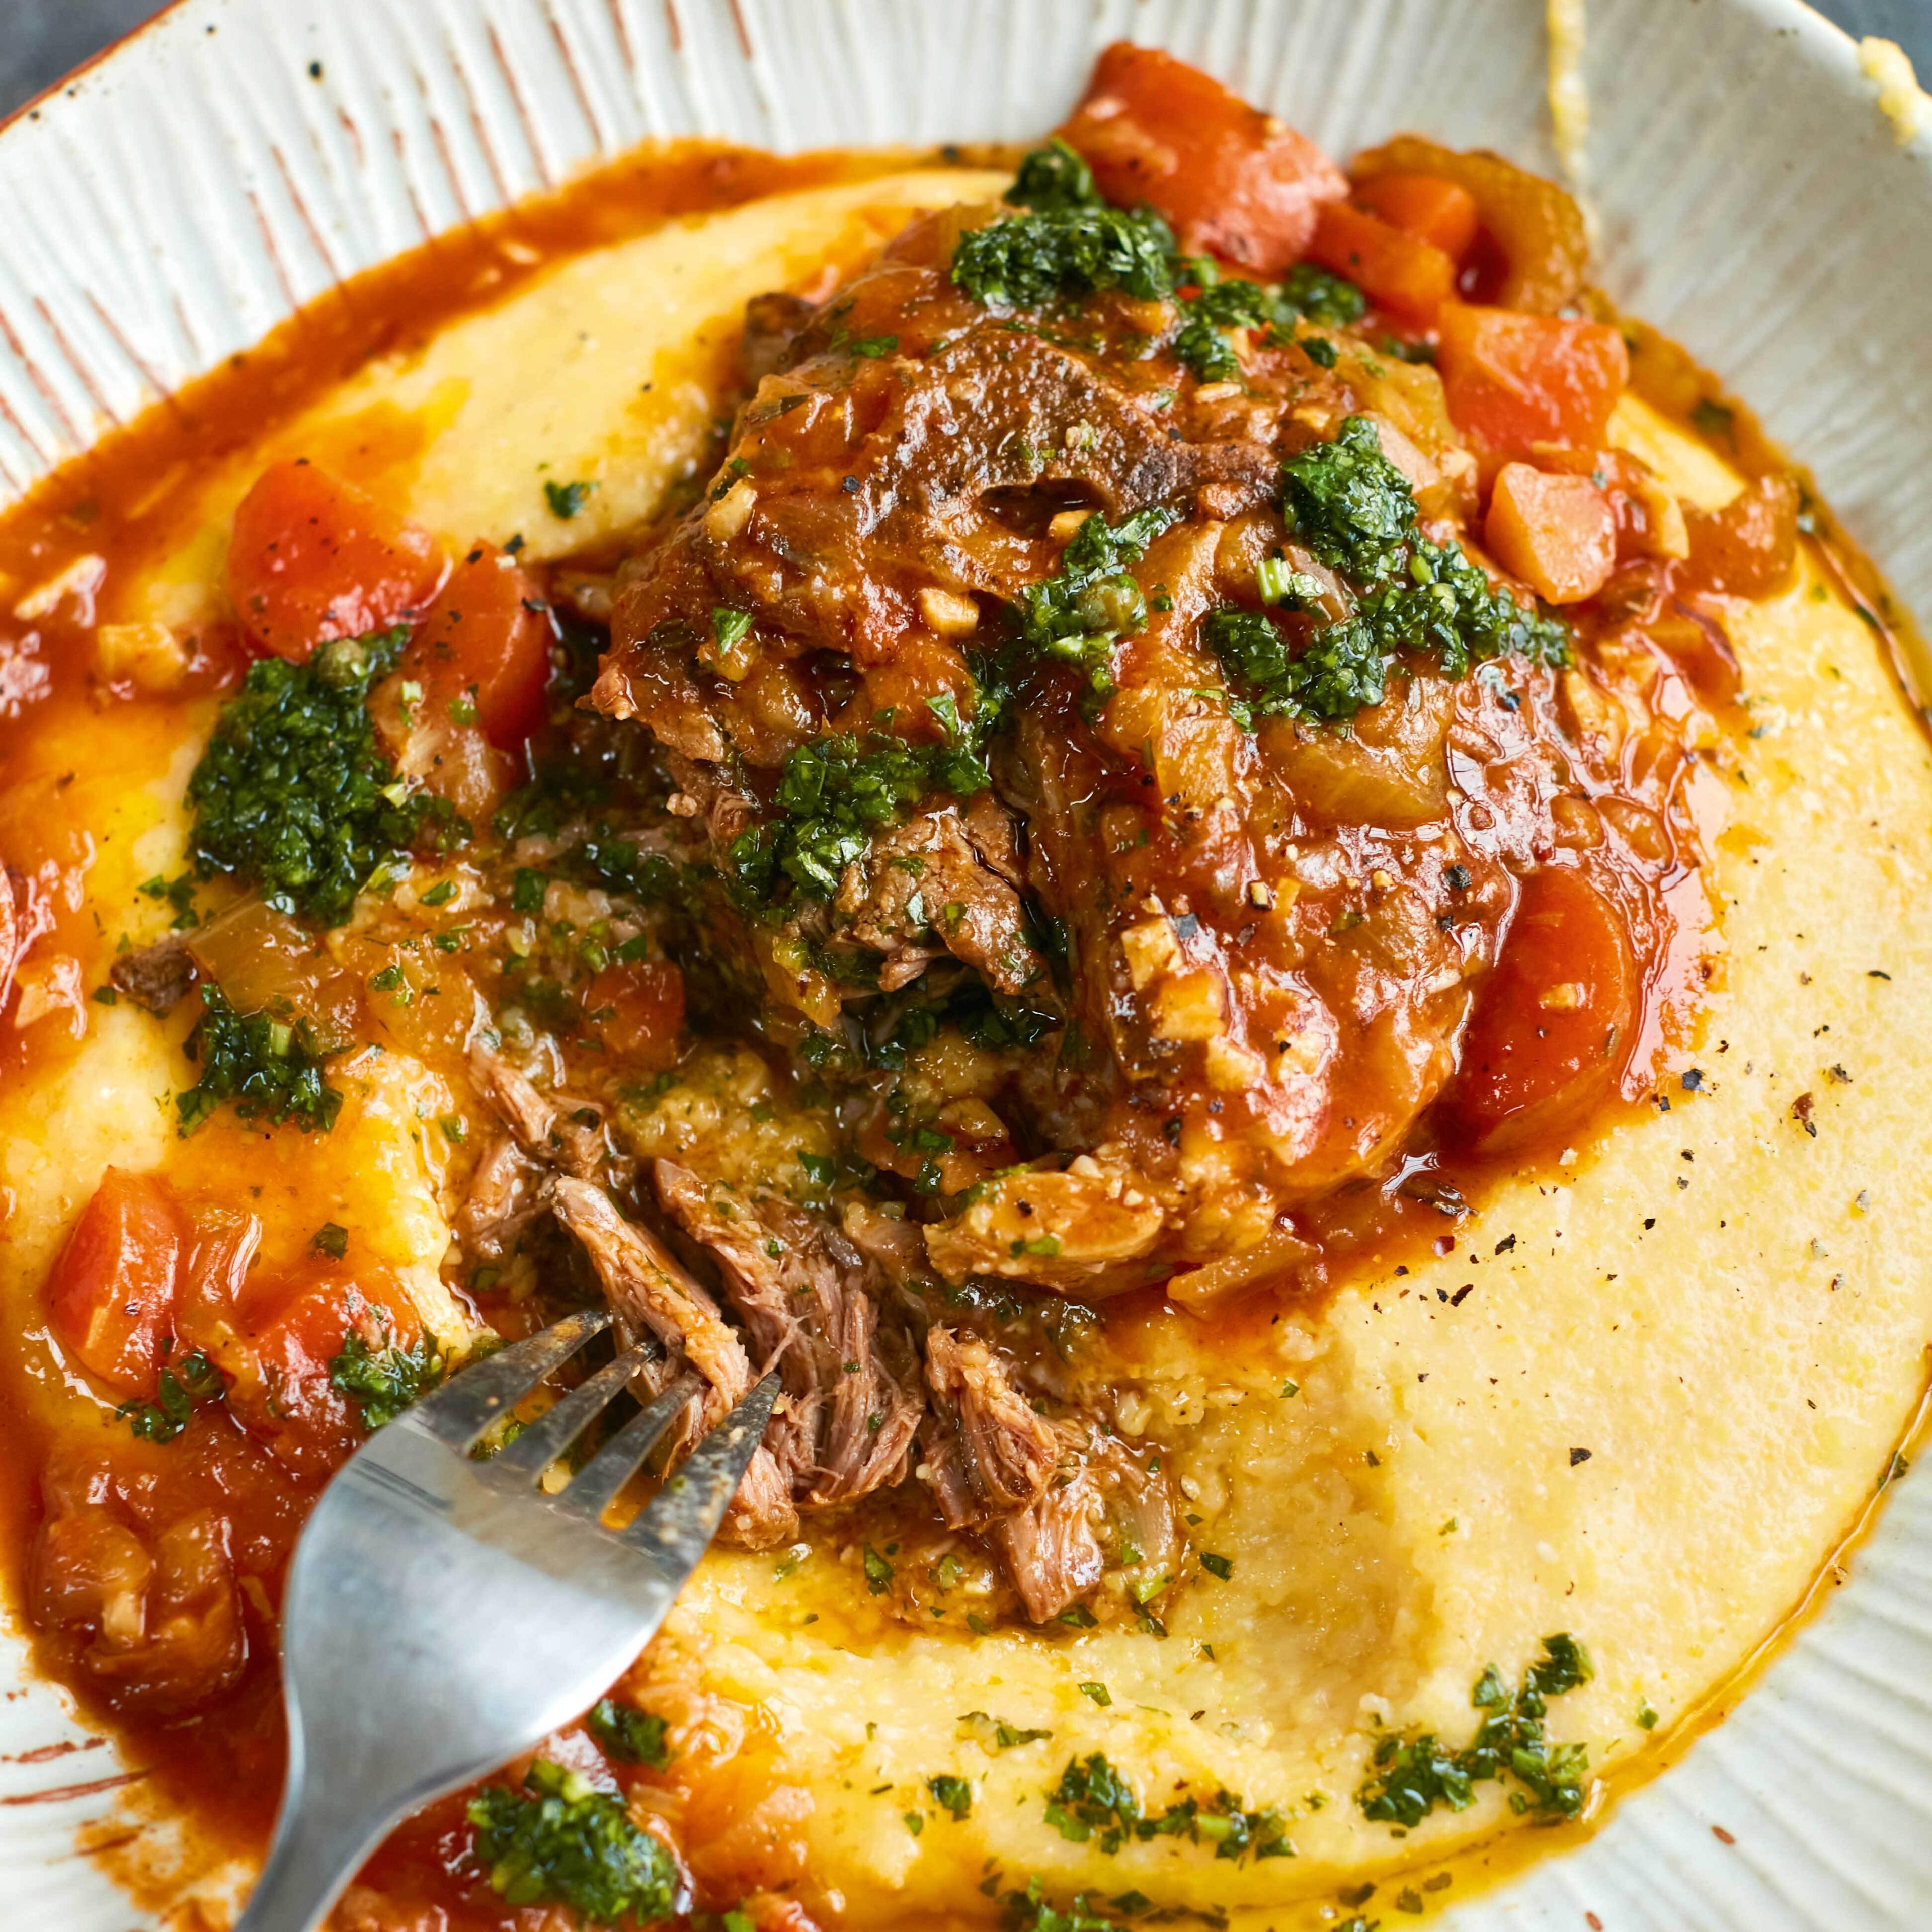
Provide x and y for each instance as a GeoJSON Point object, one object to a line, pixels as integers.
{"type": "Point", "coordinates": [954, 1793]}
{"type": "Point", "coordinates": [1350, 507]}
{"type": "Point", "coordinates": [565, 499]}
{"type": "Point", "coordinates": [560, 1841]}
{"type": "Point", "coordinates": [628, 1735]}
{"type": "Point", "coordinates": [292, 792]}
{"type": "Point", "coordinates": [384, 1382]}
{"type": "Point", "coordinates": [1093, 1802]}
{"type": "Point", "coordinates": [270, 1068]}
{"type": "Point", "coordinates": [1413, 1774]}
{"type": "Point", "coordinates": [1078, 613]}
{"type": "Point", "coordinates": [192, 1381]}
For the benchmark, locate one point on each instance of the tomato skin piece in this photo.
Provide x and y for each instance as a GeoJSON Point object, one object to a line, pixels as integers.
{"type": "Point", "coordinates": [1409, 278]}
{"type": "Point", "coordinates": [295, 1328]}
{"type": "Point", "coordinates": [1552, 1023]}
{"type": "Point", "coordinates": [1231, 180]}
{"type": "Point", "coordinates": [638, 1011]}
{"type": "Point", "coordinates": [486, 638]}
{"type": "Point", "coordinates": [313, 559]}
{"type": "Point", "coordinates": [1442, 213]}
{"type": "Point", "coordinates": [1558, 533]}
{"type": "Point", "coordinates": [1512, 381]}
{"type": "Point", "coordinates": [115, 1290]}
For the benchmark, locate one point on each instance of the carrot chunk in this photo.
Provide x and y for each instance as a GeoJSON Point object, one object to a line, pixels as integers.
{"type": "Point", "coordinates": [1515, 380]}
{"type": "Point", "coordinates": [637, 1011]}
{"type": "Point", "coordinates": [1552, 1026]}
{"type": "Point", "coordinates": [1440, 212]}
{"type": "Point", "coordinates": [1411, 279]}
{"type": "Point", "coordinates": [1558, 533]}
{"type": "Point", "coordinates": [1747, 548]}
{"type": "Point", "coordinates": [1231, 181]}
{"type": "Point", "coordinates": [483, 647]}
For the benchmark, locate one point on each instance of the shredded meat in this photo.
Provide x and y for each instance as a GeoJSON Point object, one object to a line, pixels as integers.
{"type": "Point", "coordinates": [509, 1192]}
{"type": "Point", "coordinates": [949, 875]}
{"type": "Point", "coordinates": [852, 1398]}
{"type": "Point", "coordinates": [558, 1130]}
{"type": "Point", "coordinates": [650, 1289]}
{"type": "Point", "coordinates": [158, 977]}
{"type": "Point", "coordinates": [1050, 1548]}
{"type": "Point", "coordinates": [1005, 1454]}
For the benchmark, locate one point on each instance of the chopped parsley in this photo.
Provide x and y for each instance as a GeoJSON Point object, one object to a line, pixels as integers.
{"type": "Point", "coordinates": [996, 1734]}
{"type": "Point", "coordinates": [1222, 302]}
{"type": "Point", "coordinates": [1078, 613]}
{"type": "Point", "coordinates": [560, 1841]}
{"type": "Point", "coordinates": [331, 1239]}
{"type": "Point", "coordinates": [270, 1068]}
{"type": "Point", "coordinates": [1093, 1802]}
{"type": "Point", "coordinates": [1067, 242]}
{"type": "Point", "coordinates": [565, 499]}
{"type": "Point", "coordinates": [292, 792]}
{"type": "Point", "coordinates": [628, 1735]}
{"type": "Point", "coordinates": [384, 1382]}
{"type": "Point", "coordinates": [1328, 300]}
{"type": "Point", "coordinates": [1413, 1774]}
{"type": "Point", "coordinates": [1352, 508]}
{"type": "Point", "coordinates": [1031, 1911]}
{"type": "Point", "coordinates": [191, 1381]}
{"type": "Point", "coordinates": [878, 1572]}
{"type": "Point", "coordinates": [835, 792]}
{"type": "Point", "coordinates": [954, 1794]}
{"type": "Point", "coordinates": [1053, 177]}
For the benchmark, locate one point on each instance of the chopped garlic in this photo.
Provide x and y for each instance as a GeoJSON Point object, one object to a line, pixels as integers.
{"type": "Point", "coordinates": [948, 613]}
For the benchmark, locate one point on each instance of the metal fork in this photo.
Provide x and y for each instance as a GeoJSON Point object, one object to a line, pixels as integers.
{"type": "Point", "coordinates": [442, 1614]}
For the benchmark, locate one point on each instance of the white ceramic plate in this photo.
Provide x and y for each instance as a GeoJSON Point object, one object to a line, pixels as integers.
{"type": "Point", "coordinates": [190, 190]}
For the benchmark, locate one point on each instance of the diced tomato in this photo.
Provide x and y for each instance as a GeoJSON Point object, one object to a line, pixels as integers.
{"type": "Point", "coordinates": [1558, 533]}
{"type": "Point", "coordinates": [1231, 180]}
{"type": "Point", "coordinates": [1531, 251]}
{"type": "Point", "coordinates": [1411, 279]}
{"type": "Point", "coordinates": [482, 652]}
{"type": "Point", "coordinates": [638, 1011]}
{"type": "Point", "coordinates": [1552, 1025]}
{"type": "Point", "coordinates": [313, 559]}
{"type": "Point", "coordinates": [114, 1292]}
{"type": "Point", "coordinates": [1512, 381]}
{"type": "Point", "coordinates": [1440, 212]}
{"type": "Point", "coordinates": [295, 1328]}
{"type": "Point", "coordinates": [1747, 547]}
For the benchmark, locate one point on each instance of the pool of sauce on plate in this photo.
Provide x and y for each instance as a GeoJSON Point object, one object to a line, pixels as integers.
{"type": "Point", "coordinates": [221, 1770]}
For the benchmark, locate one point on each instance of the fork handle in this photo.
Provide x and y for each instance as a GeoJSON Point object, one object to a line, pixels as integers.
{"type": "Point", "coordinates": [315, 1854]}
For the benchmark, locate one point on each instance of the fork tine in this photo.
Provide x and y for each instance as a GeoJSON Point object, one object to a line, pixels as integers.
{"type": "Point", "coordinates": [595, 1487]}
{"type": "Point", "coordinates": [677, 1525]}
{"type": "Point", "coordinates": [460, 1412]}
{"type": "Point", "coordinates": [552, 1433]}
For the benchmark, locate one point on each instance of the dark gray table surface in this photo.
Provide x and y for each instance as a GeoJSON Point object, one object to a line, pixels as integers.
{"type": "Point", "coordinates": [42, 39]}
